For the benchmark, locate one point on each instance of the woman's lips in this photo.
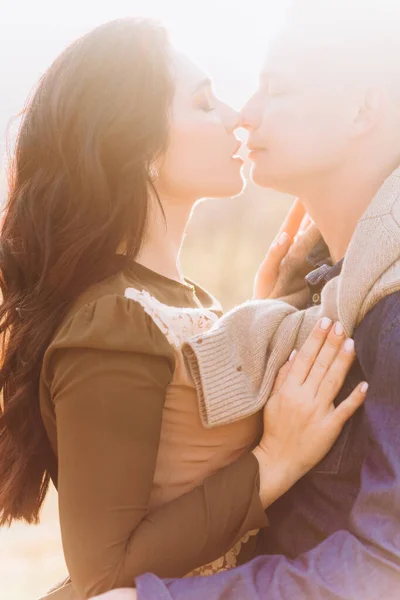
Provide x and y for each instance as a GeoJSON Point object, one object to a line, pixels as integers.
{"type": "Point", "coordinates": [235, 155]}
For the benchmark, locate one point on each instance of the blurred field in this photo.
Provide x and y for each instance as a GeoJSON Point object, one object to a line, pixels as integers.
{"type": "Point", "coordinates": [226, 241]}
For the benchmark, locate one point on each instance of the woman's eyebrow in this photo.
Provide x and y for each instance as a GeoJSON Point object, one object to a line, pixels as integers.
{"type": "Point", "coordinates": [204, 83]}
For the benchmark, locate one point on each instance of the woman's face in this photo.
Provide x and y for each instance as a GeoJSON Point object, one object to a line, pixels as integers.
{"type": "Point", "coordinates": [201, 160]}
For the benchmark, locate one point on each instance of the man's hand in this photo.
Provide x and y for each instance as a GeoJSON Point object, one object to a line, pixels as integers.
{"type": "Point", "coordinates": [119, 594]}
{"type": "Point", "coordinates": [267, 275]}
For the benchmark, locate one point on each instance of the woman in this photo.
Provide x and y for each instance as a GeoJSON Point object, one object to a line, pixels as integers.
{"type": "Point", "coordinates": [121, 138]}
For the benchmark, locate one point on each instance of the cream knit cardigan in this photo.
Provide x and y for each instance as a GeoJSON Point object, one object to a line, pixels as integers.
{"type": "Point", "coordinates": [234, 364]}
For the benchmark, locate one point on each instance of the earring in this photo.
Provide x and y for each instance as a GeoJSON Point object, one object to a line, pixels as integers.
{"type": "Point", "coordinates": [153, 173]}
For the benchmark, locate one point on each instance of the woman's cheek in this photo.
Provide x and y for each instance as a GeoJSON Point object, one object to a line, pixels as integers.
{"type": "Point", "coordinates": [198, 153]}
{"type": "Point", "coordinates": [205, 145]}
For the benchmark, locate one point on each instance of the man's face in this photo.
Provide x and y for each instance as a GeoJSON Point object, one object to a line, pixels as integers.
{"type": "Point", "coordinates": [300, 118]}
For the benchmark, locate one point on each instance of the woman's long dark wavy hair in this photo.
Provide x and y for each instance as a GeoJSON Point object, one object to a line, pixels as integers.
{"type": "Point", "coordinates": [79, 187]}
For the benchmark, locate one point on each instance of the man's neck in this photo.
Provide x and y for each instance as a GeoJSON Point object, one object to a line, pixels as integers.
{"type": "Point", "coordinates": [337, 204]}
{"type": "Point", "coordinates": [161, 249]}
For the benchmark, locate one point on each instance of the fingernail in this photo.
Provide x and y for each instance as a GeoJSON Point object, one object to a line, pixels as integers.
{"type": "Point", "coordinates": [339, 331]}
{"type": "Point", "coordinates": [293, 354]}
{"type": "Point", "coordinates": [349, 345]}
{"type": "Point", "coordinates": [325, 324]}
{"type": "Point", "coordinates": [364, 388]}
{"type": "Point", "coordinates": [283, 238]}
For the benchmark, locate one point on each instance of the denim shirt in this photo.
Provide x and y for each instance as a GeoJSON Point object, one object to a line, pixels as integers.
{"type": "Point", "coordinates": [336, 534]}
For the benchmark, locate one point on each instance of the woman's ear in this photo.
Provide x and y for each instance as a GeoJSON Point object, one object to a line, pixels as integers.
{"type": "Point", "coordinates": [370, 110]}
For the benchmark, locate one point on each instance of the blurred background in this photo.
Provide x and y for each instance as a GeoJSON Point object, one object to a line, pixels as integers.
{"type": "Point", "coordinates": [226, 239]}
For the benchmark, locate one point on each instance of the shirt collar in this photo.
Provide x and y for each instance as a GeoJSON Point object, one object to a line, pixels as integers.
{"type": "Point", "coordinates": [319, 255]}
{"type": "Point", "coordinates": [324, 270]}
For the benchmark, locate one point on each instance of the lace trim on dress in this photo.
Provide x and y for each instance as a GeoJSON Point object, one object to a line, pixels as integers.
{"type": "Point", "coordinates": [228, 561]}
{"type": "Point", "coordinates": [177, 324]}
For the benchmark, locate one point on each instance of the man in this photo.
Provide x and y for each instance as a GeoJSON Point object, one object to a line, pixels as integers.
{"type": "Point", "coordinates": [325, 126]}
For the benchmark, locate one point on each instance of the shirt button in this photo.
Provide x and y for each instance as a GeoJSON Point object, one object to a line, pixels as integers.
{"type": "Point", "coordinates": [200, 341]}
{"type": "Point", "coordinates": [316, 298]}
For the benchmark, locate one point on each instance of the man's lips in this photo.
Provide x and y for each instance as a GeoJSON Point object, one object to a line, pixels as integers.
{"type": "Point", "coordinates": [255, 148]}
{"type": "Point", "coordinates": [255, 151]}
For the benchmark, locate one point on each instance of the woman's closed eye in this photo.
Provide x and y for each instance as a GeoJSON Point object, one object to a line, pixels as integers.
{"type": "Point", "coordinates": [205, 101]}
{"type": "Point", "coordinates": [206, 107]}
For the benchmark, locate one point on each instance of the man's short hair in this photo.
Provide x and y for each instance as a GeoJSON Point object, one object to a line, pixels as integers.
{"type": "Point", "coordinates": [365, 34]}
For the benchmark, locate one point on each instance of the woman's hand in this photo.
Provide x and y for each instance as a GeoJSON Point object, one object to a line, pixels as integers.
{"type": "Point", "coordinates": [301, 422]}
{"type": "Point", "coordinates": [267, 275]}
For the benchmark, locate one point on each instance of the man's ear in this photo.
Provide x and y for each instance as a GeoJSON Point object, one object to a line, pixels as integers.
{"type": "Point", "coordinates": [370, 110]}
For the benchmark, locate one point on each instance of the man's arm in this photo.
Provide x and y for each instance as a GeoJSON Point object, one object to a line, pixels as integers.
{"type": "Point", "coordinates": [363, 561]}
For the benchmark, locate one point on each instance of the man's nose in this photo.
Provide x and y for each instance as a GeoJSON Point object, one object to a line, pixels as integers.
{"type": "Point", "coordinates": [251, 115]}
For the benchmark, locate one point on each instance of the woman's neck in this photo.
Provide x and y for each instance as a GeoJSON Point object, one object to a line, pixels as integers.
{"type": "Point", "coordinates": [162, 246]}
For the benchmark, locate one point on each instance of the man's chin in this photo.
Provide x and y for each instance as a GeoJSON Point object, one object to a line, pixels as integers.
{"type": "Point", "coordinates": [261, 176]}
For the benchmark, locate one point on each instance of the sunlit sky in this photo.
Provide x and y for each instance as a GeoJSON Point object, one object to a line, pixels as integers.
{"type": "Point", "coordinates": [228, 38]}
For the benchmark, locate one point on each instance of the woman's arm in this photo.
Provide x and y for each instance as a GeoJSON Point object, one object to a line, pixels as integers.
{"type": "Point", "coordinates": [109, 378]}
{"type": "Point", "coordinates": [301, 422]}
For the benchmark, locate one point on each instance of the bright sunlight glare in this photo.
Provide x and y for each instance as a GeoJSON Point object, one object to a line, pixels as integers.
{"type": "Point", "coordinates": [227, 38]}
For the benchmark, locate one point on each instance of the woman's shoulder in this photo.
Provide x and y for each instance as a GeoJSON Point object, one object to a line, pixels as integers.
{"type": "Point", "coordinates": [104, 317]}
{"type": "Point", "coordinates": [105, 337]}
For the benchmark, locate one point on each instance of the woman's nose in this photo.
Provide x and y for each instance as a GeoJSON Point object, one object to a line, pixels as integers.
{"type": "Point", "coordinates": [231, 119]}
{"type": "Point", "coordinates": [251, 115]}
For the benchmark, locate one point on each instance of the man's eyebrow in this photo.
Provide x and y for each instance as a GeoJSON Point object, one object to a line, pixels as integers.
{"type": "Point", "coordinates": [267, 74]}
{"type": "Point", "coordinates": [204, 83]}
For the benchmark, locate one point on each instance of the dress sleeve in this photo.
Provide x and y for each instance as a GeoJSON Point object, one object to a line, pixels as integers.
{"type": "Point", "coordinates": [108, 370]}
